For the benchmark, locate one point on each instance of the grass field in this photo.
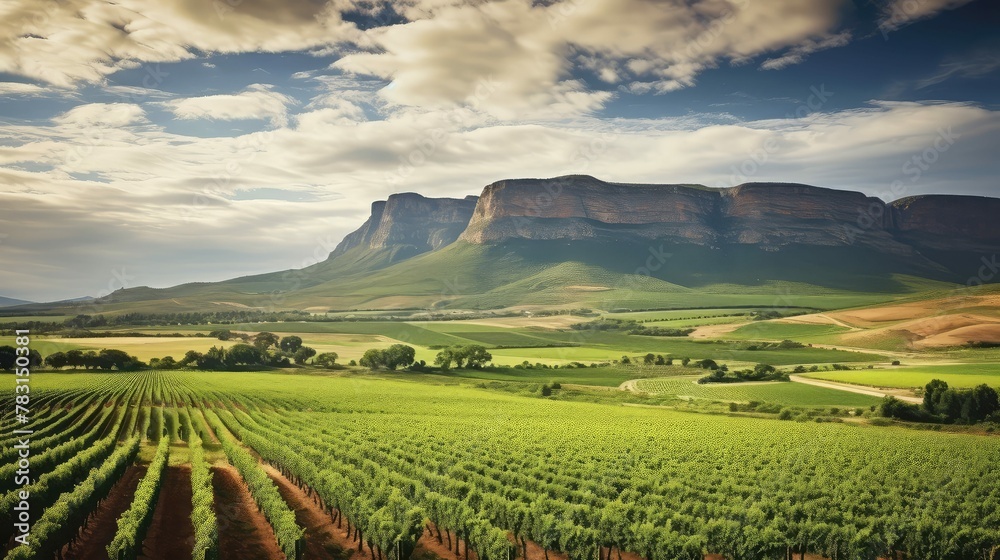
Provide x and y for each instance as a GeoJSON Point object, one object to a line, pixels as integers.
{"type": "Point", "coordinates": [769, 330]}
{"type": "Point", "coordinates": [793, 394]}
{"type": "Point", "coordinates": [957, 375]}
{"type": "Point", "coordinates": [143, 348]}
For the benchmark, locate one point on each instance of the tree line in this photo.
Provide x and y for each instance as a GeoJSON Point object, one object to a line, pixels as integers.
{"type": "Point", "coordinates": [948, 405]}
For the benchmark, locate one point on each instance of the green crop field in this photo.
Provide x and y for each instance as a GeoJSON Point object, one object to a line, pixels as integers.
{"type": "Point", "coordinates": [793, 394]}
{"type": "Point", "coordinates": [617, 344]}
{"type": "Point", "coordinates": [569, 477]}
{"type": "Point", "coordinates": [956, 375]}
{"type": "Point", "coordinates": [770, 330]}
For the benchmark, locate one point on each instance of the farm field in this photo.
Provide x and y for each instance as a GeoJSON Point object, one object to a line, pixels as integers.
{"type": "Point", "coordinates": [794, 394]}
{"type": "Point", "coordinates": [956, 375]}
{"type": "Point", "coordinates": [509, 344]}
{"type": "Point", "coordinates": [485, 469]}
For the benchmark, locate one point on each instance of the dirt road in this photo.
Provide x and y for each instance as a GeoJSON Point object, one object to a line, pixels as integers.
{"type": "Point", "coordinates": [871, 391]}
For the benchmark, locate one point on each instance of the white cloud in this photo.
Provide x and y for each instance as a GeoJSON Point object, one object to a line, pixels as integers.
{"type": "Point", "coordinates": [522, 52]}
{"type": "Point", "coordinates": [900, 13]}
{"type": "Point", "coordinates": [258, 101]}
{"type": "Point", "coordinates": [972, 65]}
{"type": "Point", "coordinates": [25, 90]}
{"type": "Point", "coordinates": [70, 41]}
{"type": "Point", "coordinates": [798, 53]}
{"type": "Point", "coordinates": [153, 199]}
{"type": "Point", "coordinates": [103, 115]}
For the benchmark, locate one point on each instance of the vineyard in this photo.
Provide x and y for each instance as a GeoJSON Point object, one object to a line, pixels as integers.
{"type": "Point", "coordinates": [407, 469]}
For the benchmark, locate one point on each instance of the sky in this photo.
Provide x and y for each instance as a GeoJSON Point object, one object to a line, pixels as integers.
{"type": "Point", "coordinates": [156, 143]}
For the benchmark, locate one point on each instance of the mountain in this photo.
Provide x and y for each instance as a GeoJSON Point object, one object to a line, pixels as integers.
{"type": "Point", "coordinates": [577, 240]}
{"type": "Point", "coordinates": [403, 226]}
{"type": "Point", "coordinates": [765, 215]}
{"type": "Point", "coordinates": [10, 302]}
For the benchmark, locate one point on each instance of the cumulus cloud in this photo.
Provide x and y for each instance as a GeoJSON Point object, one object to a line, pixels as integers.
{"type": "Point", "coordinates": [102, 114]}
{"type": "Point", "coordinates": [167, 198]}
{"type": "Point", "coordinates": [73, 41]}
{"type": "Point", "coordinates": [900, 13]}
{"type": "Point", "coordinates": [514, 56]}
{"type": "Point", "coordinates": [258, 101]}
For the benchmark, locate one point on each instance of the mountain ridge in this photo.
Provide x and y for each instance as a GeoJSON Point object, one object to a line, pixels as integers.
{"type": "Point", "coordinates": [508, 246]}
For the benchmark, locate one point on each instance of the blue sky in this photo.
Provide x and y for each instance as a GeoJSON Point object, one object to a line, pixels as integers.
{"type": "Point", "coordinates": [154, 144]}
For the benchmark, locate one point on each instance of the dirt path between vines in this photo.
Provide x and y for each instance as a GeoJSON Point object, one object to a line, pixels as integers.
{"type": "Point", "coordinates": [244, 533]}
{"type": "Point", "coordinates": [851, 388]}
{"type": "Point", "coordinates": [171, 534]}
{"type": "Point", "coordinates": [323, 540]}
{"type": "Point", "coordinates": [103, 525]}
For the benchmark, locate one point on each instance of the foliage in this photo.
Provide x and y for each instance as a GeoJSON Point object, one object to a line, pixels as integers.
{"type": "Point", "coordinates": [326, 359]}
{"type": "Point", "coordinates": [472, 356]}
{"type": "Point", "coordinates": [391, 358]}
{"type": "Point", "coordinates": [132, 525]}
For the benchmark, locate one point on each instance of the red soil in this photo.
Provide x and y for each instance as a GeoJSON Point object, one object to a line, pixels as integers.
{"type": "Point", "coordinates": [323, 540]}
{"type": "Point", "coordinates": [103, 522]}
{"type": "Point", "coordinates": [244, 533]}
{"type": "Point", "coordinates": [170, 533]}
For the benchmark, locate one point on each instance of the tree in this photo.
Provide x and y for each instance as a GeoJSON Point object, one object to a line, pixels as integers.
{"type": "Point", "coordinates": [476, 356]}
{"type": "Point", "coordinates": [648, 359]}
{"type": "Point", "coordinates": [90, 360]}
{"type": "Point", "coordinates": [304, 353]}
{"type": "Point", "coordinates": [659, 360]}
{"type": "Point", "coordinates": [626, 360]}
{"type": "Point", "coordinates": [932, 394]}
{"type": "Point", "coordinates": [190, 357]}
{"type": "Point", "coordinates": [222, 335]}
{"type": "Point", "coordinates": [8, 356]}
{"type": "Point", "coordinates": [215, 358]}
{"type": "Point", "coordinates": [685, 361]}
{"type": "Point", "coordinates": [399, 355]}
{"type": "Point", "coordinates": [243, 355]}
{"type": "Point", "coordinates": [708, 364]}
{"type": "Point", "coordinates": [763, 369]}
{"type": "Point", "coordinates": [372, 359]}
{"type": "Point", "coordinates": [265, 340]}
{"type": "Point", "coordinates": [110, 358]}
{"type": "Point", "coordinates": [56, 360]}
{"type": "Point", "coordinates": [980, 403]}
{"type": "Point", "coordinates": [290, 344]}
{"type": "Point", "coordinates": [326, 359]}
{"type": "Point", "coordinates": [444, 358]}
{"type": "Point", "coordinates": [74, 358]}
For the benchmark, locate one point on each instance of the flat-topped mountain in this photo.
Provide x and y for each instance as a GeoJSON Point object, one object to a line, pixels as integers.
{"type": "Point", "coordinates": [410, 224]}
{"type": "Point", "coordinates": [768, 215]}
{"type": "Point", "coordinates": [579, 240]}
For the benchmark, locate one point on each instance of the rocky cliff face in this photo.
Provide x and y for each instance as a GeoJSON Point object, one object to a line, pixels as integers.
{"type": "Point", "coordinates": [411, 223]}
{"type": "Point", "coordinates": [944, 221]}
{"type": "Point", "coordinates": [579, 207]}
{"type": "Point", "coordinates": [765, 214]}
